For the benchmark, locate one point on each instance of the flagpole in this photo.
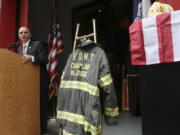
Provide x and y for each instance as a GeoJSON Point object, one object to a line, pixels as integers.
{"type": "Point", "coordinates": [55, 46]}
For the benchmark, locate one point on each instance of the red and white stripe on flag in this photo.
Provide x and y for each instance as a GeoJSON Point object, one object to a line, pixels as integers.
{"type": "Point", "coordinates": [155, 39]}
{"type": "Point", "coordinates": [55, 45]}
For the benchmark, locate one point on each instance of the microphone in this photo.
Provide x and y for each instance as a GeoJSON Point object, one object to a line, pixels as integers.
{"type": "Point", "coordinates": [14, 45]}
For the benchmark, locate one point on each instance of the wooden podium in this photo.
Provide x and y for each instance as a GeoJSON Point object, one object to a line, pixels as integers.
{"type": "Point", "coordinates": [19, 96]}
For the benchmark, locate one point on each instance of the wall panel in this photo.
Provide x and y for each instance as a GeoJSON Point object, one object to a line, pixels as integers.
{"type": "Point", "coordinates": [7, 22]}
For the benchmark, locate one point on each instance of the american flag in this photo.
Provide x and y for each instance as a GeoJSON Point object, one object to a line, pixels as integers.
{"type": "Point", "coordinates": [55, 46]}
{"type": "Point", "coordinates": [156, 39]}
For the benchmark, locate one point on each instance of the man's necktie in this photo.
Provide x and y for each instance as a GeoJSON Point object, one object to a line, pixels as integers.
{"type": "Point", "coordinates": [24, 49]}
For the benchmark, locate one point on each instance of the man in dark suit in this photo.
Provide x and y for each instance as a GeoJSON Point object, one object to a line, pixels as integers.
{"type": "Point", "coordinates": [36, 52]}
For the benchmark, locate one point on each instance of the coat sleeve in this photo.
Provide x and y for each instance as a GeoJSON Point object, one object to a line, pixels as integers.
{"type": "Point", "coordinates": [111, 111]}
{"type": "Point", "coordinates": [41, 56]}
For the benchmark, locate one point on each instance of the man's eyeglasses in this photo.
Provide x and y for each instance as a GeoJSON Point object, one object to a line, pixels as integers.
{"type": "Point", "coordinates": [25, 32]}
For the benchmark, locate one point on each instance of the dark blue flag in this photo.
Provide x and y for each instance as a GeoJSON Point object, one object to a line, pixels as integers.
{"type": "Point", "coordinates": [137, 9]}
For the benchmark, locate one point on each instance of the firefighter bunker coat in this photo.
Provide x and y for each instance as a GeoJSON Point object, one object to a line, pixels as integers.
{"type": "Point", "coordinates": [85, 76]}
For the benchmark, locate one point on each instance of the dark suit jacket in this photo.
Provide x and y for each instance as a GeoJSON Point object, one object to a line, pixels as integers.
{"type": "Point", "coordinates": [37, 49]}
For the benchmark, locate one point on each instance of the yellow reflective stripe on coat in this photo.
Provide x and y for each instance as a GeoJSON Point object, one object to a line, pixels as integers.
{"type": "Point", "coordinates": [84, 86]}
{"type": "Point", "coordinates": [112, 111]}
{"type": "Point", "coordinates": [95, 130]}
{"type": "Point", "coordinates": [64, 132]}
{"type": "Point", "coordinates": [105, 81]}
{"type": "Point", "coordinates": [79, 119]}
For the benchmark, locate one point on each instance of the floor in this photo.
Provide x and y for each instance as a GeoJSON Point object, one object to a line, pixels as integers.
{"type": "Point", "coordinates": [128, 125]}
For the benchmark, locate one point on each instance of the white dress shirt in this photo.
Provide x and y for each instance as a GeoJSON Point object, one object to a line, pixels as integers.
{"type": "Point", "coordinates": [25, 47]}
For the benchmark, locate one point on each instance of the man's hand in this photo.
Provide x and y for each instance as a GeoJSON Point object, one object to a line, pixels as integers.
{"type": "Point", "coordinates": [27, 58]}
